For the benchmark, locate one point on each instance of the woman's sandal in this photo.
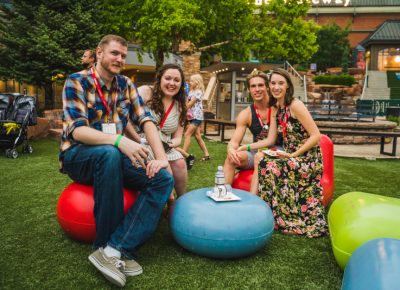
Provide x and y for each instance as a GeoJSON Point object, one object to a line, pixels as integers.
{"type": "Point", "coordinates": [205, 158]}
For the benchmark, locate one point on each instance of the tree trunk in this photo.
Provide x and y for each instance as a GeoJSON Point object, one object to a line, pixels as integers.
{"type": "Point", "coordinates": [159, 59]}
{"type": "Point", "coordinates": [48, 96]}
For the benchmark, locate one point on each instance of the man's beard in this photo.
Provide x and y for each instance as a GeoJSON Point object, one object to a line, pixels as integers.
{"type": "Point", "coordinates": [108, 69]}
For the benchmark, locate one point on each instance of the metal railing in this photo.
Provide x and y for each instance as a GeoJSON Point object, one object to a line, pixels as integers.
{"type": "Point", "coordinates": [302, 79]}
{"type": "Point", "coordinates": [365, 82]}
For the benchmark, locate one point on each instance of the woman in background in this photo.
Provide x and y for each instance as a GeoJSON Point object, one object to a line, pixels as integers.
{"type": "Point", "coordinates": [195, 118]}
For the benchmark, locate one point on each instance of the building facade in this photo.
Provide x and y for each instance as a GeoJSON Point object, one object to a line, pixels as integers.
{"type": "Point", "coordinates": [377, 49]}
{"type": "Point", "coordinates": [362, 17]}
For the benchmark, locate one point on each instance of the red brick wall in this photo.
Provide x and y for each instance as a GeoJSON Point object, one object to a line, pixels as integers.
{"type": "Point", "coordinates": [366, 22]}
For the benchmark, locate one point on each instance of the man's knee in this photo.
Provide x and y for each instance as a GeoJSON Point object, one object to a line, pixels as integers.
{"type": "Point", "coordinates": [163, 177]}
{"type": "Point", "coordinates": [107, 151]}
{"type": "Point", "coordinates": [108, 155]}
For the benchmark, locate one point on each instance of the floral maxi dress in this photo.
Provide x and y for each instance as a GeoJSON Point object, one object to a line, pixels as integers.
{"type": "Point", "coordinates": [292, 187]}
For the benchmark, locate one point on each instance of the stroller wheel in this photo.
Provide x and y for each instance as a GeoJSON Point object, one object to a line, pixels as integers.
{"type": "Point", "coordinates": [28, 149]}
{"type": "Point", "coordinates": [13, 153]}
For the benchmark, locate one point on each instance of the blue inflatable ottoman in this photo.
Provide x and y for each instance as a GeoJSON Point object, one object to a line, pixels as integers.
{"type": "Point", "coordinates": [228, 229]}
{"type": "Point", "coordinates": [374, 265]}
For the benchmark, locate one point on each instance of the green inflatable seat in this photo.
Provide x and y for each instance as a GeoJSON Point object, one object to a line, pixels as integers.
{"type": "Point", "coordinates": [358, 217]}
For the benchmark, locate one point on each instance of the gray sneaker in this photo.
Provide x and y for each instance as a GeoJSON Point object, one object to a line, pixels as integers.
{"type": "Point", "coordinates": [110, 267]}
{"type": "Point", "coordinates": [131, 267]}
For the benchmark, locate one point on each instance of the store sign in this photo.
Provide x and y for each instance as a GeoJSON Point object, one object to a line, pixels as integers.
{"type": "Point", "coordinates": [314, 2]}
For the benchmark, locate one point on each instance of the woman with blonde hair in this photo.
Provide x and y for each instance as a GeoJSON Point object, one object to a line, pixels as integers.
{"type": "Point", "coordinates": [195, 117]}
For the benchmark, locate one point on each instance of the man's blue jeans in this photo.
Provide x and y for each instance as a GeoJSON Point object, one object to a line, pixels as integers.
{"type": "Point", "coordinates": [108, 170]}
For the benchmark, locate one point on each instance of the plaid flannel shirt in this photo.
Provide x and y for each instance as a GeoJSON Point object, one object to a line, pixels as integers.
{"type": "Point", "coordinates": [83, 106]}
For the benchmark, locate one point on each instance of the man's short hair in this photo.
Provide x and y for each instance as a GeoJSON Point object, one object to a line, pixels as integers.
{"type": "Point", "coordinates": [111, 37]}
{"type": "Point", "coordinates": [256, 73]}
{"type": "Point", "coordinates": [91, 53]}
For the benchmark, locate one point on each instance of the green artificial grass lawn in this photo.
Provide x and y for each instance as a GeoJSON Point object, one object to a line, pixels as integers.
{"type": "Point", "coordinates": [36, 254]}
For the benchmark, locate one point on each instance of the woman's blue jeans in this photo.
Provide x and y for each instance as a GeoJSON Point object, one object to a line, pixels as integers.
{"type": "Point", "coordinates": [108, 170]}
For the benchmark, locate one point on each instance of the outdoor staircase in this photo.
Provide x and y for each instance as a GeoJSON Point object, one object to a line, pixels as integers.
{"type": "Point", "coordinates": [298, 82]}
{"type": "Point", "coordinates": [377, 87]}
{"type": "Point", "coordinates": [298, 87]}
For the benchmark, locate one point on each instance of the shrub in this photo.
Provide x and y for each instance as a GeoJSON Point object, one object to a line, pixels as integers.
{"type": "Point", "coordinates": [395, 119]}
{"type": "Point", "coordinates": [343, 79]}
{"type": "Point", "coordinates": [302, 68]}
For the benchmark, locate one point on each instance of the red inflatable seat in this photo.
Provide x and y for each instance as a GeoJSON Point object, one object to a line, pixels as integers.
{"type": "Point", "coordinates": [75, 211]}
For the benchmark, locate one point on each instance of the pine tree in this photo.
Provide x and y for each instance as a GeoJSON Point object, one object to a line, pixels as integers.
{"type": "Point", "coordinates": [42, 39]}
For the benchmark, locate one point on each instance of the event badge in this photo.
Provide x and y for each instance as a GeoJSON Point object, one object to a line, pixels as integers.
{"type": "Point", "coordinates": [109, 128]}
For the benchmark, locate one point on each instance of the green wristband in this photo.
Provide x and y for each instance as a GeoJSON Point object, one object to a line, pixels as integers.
{"type": "Point", "coordinates": [116, 144]}
{"type": "Point", "coordinates": [248, 148]}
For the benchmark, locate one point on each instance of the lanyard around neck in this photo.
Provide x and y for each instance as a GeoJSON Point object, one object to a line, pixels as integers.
{"type": "Point", "coordinates": [99, 91]}
{"type": "Point", "coordinates": [259, 117]}
{"type": "Point", "coordinates": [166, 114]}
{"type": "Point", "coordinates": [283, 122]}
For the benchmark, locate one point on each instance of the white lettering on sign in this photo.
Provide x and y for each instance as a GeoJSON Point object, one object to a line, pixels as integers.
{"type": "Point", "coordinates": [314, 2]}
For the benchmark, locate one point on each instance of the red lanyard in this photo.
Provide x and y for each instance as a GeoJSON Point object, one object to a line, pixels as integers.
{"type": "Point", "coordinates": [284, 122]}
{"type": "Point", "coordinates": [259, 117]}
{"type": "Point", "coordinates": [96, 82]}
{"type": "Point", "coordinates": [166, 114]}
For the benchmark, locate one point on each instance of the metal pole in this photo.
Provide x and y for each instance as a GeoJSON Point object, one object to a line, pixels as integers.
{"type": "Point", "coordinates": [233, 95]}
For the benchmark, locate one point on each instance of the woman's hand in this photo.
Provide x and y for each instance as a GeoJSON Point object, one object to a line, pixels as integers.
{"type": "Point", "coordinates": [153, 166]}
{"type": "Point", "coordinates": [173, 143]}
{"type": "Point", "coordinates": [283, 154]}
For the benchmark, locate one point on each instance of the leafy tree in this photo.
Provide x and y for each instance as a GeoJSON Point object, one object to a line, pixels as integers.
{"type": "Point", "coordinates": [159, 26]}
{"type": "Point", "coordinates": [334, 47]}
{"type": "Point", "coordinates": [43, 39]}
{"type": "Point", "coordinates": [274, 31]}
{"type": "Point", "coordinates": [281, 32]}
{"type": "Point", "coordinates": [228, 22]}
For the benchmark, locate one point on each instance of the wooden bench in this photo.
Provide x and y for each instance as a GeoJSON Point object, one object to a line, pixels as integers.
{"type": "Point", "coordinates": [221, 127]}
{"type": "Point", "coordinates": [381, 134]}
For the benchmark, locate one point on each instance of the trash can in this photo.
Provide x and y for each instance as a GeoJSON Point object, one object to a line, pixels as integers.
{"type": "Point", "coordinates": [393, 114]}
{"type": "Point", "coordinates": [392, 111]}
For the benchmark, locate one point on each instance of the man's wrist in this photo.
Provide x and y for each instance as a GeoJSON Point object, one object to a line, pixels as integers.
{"type": "Point", "coordinates": [118, 140]}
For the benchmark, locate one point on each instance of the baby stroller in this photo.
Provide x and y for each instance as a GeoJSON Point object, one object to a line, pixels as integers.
{"type": "Point", "coordinates": [17, 112]}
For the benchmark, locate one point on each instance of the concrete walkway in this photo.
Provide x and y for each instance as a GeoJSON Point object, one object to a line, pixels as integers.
{"type": "Point", "coordinates": [368, 151]}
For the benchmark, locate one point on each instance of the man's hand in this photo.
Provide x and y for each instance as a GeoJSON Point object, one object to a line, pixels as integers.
{"type": "Point", "coordinates": [233, 156]}
{"type": "Point", "coordinates": [153, 166]}
{"type": "Point", "coordinates": [135, 152]}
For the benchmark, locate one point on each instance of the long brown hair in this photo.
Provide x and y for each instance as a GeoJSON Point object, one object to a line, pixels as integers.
{"type": "Point", "coordinates": [289, 95]}
{"type": "Point", "coordinates": [155, 102]}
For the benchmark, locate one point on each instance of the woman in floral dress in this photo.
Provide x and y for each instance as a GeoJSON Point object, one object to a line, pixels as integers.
{"type": "Point", "coordinates": [290, 182]}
